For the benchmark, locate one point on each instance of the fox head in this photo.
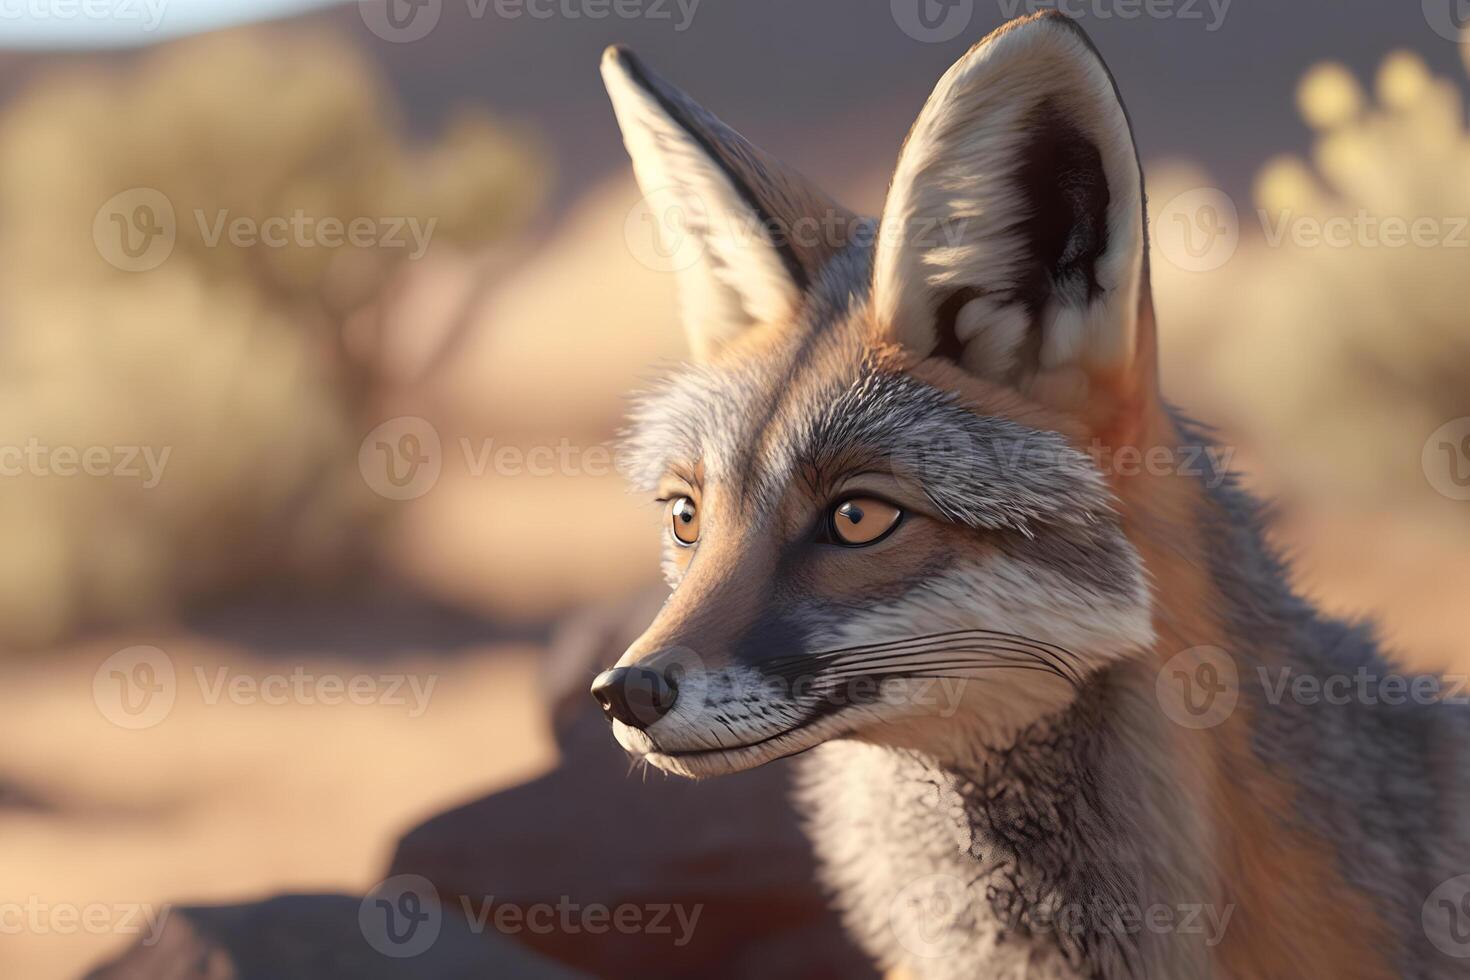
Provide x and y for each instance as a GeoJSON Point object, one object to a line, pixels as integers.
{"type": "Point", "coordinates": [885, 516]}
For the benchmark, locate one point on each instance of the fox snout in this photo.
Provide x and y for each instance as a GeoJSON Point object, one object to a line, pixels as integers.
{"type": "Point", "coordinates": [635, 696]}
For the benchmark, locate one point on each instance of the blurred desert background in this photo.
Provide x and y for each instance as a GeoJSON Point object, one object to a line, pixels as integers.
{"type": "Point", "coordinates": [268, 384]}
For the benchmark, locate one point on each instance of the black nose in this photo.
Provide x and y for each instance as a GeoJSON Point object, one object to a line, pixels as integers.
{"type": "Point", "coordinates": [635, 696]}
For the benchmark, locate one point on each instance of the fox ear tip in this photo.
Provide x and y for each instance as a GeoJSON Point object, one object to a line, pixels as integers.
{"type": "Point", "coordinates": [1041, 22]}
{"type": "Point", "coordinates": [617, 57]}
{"type": "Point", "coordinates": [1045, 18]}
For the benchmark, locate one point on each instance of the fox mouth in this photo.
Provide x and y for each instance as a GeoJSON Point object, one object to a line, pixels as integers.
{"type": "Point", "coordinates": [724, 760]}
{"type": "Point", "coordinates": [835, 695]}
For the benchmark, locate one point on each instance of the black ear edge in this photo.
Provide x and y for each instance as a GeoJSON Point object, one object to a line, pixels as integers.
{"type": "Point", "coordinates": [718, 142]}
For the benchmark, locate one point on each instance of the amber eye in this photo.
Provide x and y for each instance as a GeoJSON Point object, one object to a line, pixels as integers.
{"type": "Point", "coordinates": [863, 520]}
{"type": "Point", "coordinates": [684, 521]}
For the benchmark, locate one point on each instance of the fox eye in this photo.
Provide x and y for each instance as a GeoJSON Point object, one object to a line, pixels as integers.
{"type": "Point", "coordinates": [863, 520]}
{"type": "Point", "coordinates": [684, 521]}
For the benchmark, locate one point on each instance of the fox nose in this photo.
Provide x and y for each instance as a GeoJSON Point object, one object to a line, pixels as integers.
{"type": "Point", "coordinates": [635, 696]}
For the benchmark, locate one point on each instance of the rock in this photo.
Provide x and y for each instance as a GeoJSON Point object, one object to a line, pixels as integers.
{"type": "Point", "coordinates": [727, 855]}
{"type": "Point", "coordinates": [316, 937]}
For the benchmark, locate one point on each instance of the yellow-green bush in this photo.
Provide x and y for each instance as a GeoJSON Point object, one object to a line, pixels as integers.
{"type": "Point", "coordinates": [230, 357]}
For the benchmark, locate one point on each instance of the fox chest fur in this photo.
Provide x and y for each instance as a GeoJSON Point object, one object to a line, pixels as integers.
{"type": "Point", "coordinates": [1012, 863]}
{"type": "Point", "coordinates": [921, 877]}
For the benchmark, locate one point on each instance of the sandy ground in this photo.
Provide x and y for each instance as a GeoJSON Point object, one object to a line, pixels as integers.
{"type": "Point", "coordinates": [228, 796]}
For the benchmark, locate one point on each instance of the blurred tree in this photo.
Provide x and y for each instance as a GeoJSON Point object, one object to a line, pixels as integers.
{"type": "Point", "coordinates": [180, 248]}
{"type": "Point", "coordinates": [1334, 344]}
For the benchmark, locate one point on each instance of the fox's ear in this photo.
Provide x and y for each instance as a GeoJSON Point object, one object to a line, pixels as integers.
{"type": "Point", "coordinates": [1013, 234]}
{"type": "Point", "coordinates": [758, 233]}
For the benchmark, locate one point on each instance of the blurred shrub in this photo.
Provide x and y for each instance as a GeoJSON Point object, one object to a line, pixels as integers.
{"type": "Point", "coordinates": [1336, 358]}
{"type": "Point", "coordinates": [228, 354]}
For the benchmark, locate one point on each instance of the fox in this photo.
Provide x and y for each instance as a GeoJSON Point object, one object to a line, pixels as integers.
{"type": "Point", "coordinates": [1054, 713]}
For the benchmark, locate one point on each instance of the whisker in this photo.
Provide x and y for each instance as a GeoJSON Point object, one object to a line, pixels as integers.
{"type": "Point", "coordinates": [947, 634]}
{"type": "Point", "coordinates": [941, 671]}
{"type": "Point", "coordinates": [1063, 656]}
{"type": "Point", "coordinates": [917, 670]}
{"type": "Point", "coordinates": [907, 653]}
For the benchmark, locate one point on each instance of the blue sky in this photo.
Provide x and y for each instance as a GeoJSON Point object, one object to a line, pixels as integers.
{"type": "Point", "coordinates": [118, 23]}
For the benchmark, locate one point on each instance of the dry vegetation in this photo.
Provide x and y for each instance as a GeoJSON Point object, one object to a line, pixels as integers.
{"type": "Point", "coordinates": [249, 365]}
{"type": "Point", "coordinates": [1334, 364]}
